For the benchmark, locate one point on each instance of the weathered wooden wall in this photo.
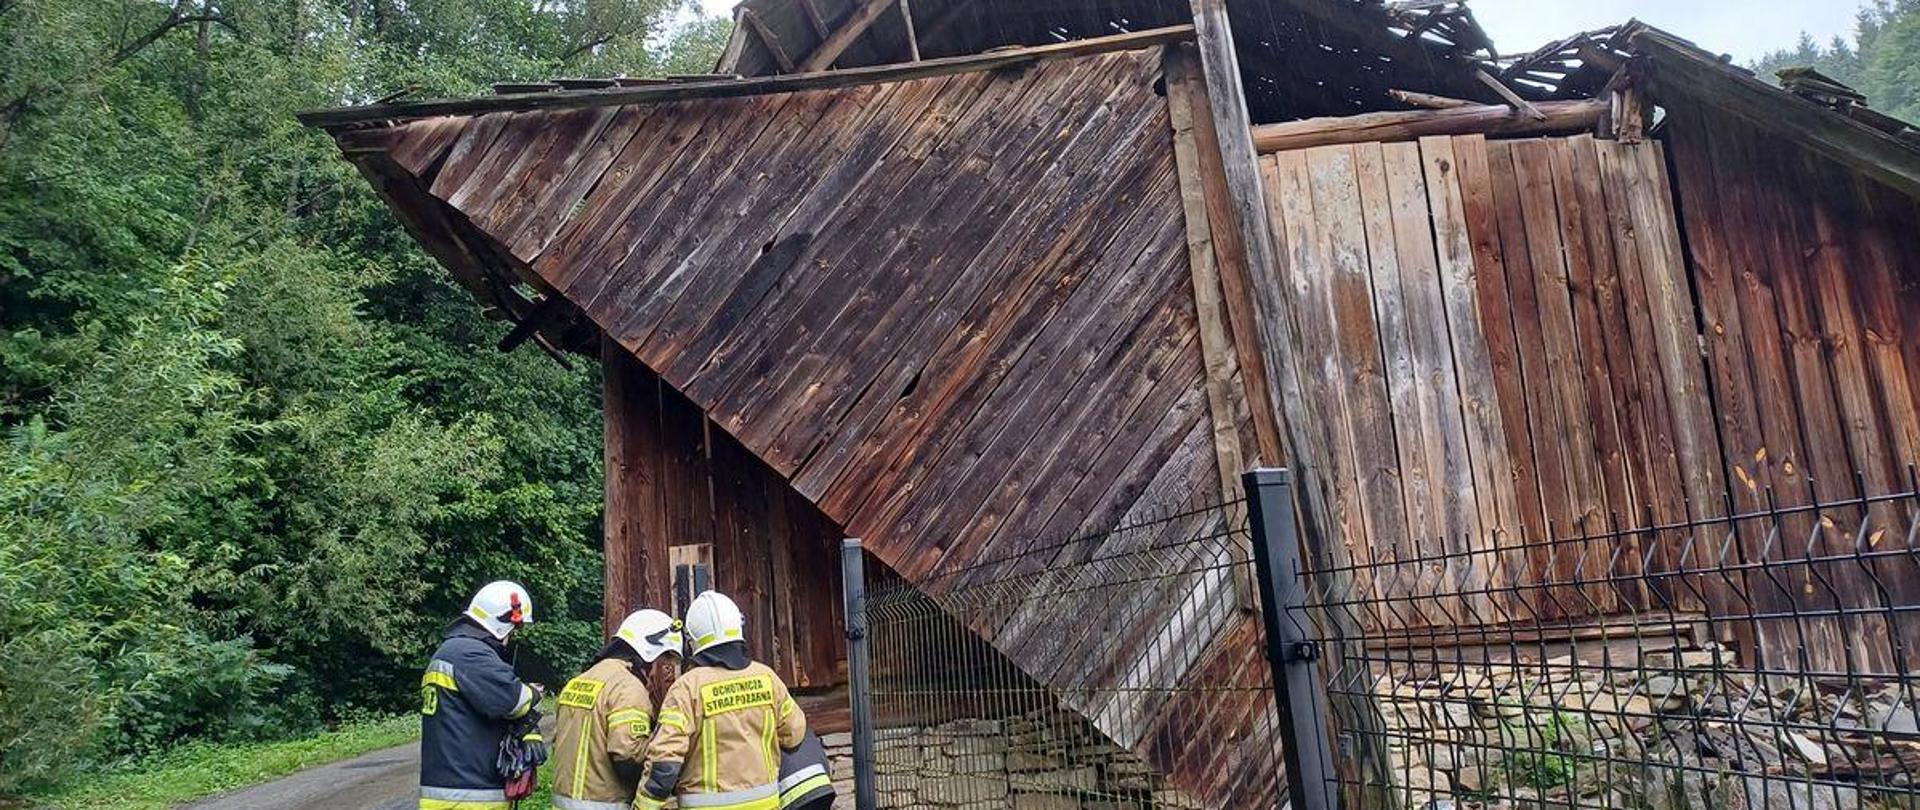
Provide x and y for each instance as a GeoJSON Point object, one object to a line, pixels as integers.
{"type": "Point", "coordinates": [1808, 280]}
{"type": "Point", "coordinates": [1519, 350]}
{"type": "Point", "coordinates": [674, 480]}
{"type": "Point", "coordinates": [955, 313]}
{"type": "Point", "coordinates": [1501, 336]}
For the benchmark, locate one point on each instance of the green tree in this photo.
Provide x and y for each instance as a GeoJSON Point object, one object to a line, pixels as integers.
{"type": "Point", "coordinates": [257, 447]}
{"type": "Point", "coordinates": [1883, 62]}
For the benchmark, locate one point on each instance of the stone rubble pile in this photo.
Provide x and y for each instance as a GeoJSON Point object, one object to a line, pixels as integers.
{"type": "Point", "coordinates": [1039, 760]}
{"type": "Point", "coordinates": [1681, 727]}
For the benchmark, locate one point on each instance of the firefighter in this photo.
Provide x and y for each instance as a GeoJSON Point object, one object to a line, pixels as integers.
{"type": "Point", "coordinates": [606, 715]}
{"type": "Point", "coordinates": [469, 699]}
{"type": "Point", "coordinates": [724, 725]}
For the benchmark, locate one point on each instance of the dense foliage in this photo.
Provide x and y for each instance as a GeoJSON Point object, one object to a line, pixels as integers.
{"type": "Point", "coordinates": [254, 447]}
{"type": "Point", "coordinates": [1883, 62]}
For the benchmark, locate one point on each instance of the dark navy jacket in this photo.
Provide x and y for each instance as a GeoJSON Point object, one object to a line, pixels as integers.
{"type": "Point", "coordinates": [806, 777]}
{"type": "Point", "coordinates": [468, 696]}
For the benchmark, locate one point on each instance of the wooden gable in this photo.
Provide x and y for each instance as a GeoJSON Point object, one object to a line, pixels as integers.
{"type": "Point", "coordinates": [955, 313]}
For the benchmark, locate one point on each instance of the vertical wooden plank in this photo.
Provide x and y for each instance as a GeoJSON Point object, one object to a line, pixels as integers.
{"type": "Point", "coordinates": [1828, 469]}
{"type": "Point", "coordinates": [1307, 277]}
{"type": "Point", "coordinates": [1888, 245]}
{"type": "Point", "coordinates": [1637, 173]}
{"type": "Point", "coordinates": [1197, 137]}
{"type": "Point", "coordinates": [1615, 395]}
{"type": "Point", "coordinates": [1421, 493]}
{"type": "Point", "coordinates": [1666, 496]}
{"type": "Point", "coordinates": [1233, 132]}
{"type": "Point", "coordinates": [1356, 367]}
{"type": "Point", "coordinates": [1591, 371]}
{"type": "Point", "coordinates": [1709, 223]}
{"type": "Point", "coordinates": [1449, 193]}
{"type": "Point", "coordinates": [1833, 266]}
{"type": "Point", "coordinates": [635, 542]}
{"type": "Point", "coordinates": [1281, 340]}
{"type": "Point", "coordinates": [1886, 283]}
{"type": "Point", "coordinates": [1556, 381]}
{"type": "Point", "coordinates": [1830, 268]}
{"type": "Point", "coordinates": [1760, 429]}
{"type": "Point", "coordinates": [1724, 156]}
{"type": "Point", "coordinates": [1543, 431]}
{"type": "Point", "coordinates": [1905, 214]}
{"type": "Point", "coordinates": [1499, 243]}
{"type": "Point", "coordinates": [1678, 334]}
{"type": "Point", "coordinates": [1705, 216]}
{"type": "Point", "coordinates": [1435, 395]}
{"type": "Point", "coordinates": [1217, 348]}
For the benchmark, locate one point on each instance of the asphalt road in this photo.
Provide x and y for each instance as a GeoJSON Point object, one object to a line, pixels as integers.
{"type": "Point", "coordinates": [382, 780]}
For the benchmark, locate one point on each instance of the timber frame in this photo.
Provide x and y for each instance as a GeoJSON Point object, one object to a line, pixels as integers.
{"type": "Point", "coordinates": [1146, 261]}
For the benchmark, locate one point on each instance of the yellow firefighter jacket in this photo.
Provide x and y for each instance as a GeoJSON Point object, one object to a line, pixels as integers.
{"type": "Point", "coordinates": [603, 721]}
{"type": "Point", "coordinates": [727, 728]}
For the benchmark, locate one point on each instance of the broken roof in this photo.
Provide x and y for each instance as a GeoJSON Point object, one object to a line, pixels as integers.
{"type": "Point", "coordinates": [1299, 58]}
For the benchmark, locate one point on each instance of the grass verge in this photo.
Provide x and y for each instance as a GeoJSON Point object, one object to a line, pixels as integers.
{"type": "Point", "coordinates": [195, 771]}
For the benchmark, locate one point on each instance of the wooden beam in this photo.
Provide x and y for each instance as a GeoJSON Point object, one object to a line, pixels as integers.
{"type": "Point", "coordinates": [1681, 69]}
{"type": "Point", "coordinates": [843, 37]}
{"type": "Point", "coordinates": [1281, 339]}
{"type": "Point", "coordinates": [1627, 111]}
{"type": "Point", "coordinates": [814, 20]}
{"type": "Point", "coordinates": [1500, 88]}
{"type": "Point", "coordinates": [729, 61]}
{"type": "Point", "coordinates": [733, 87]}
{"type": "Point", "coordinates": [1216, 249]}
{"type": "Point", "coordinates": [913, 42]}
{"type": "Point", "coordinates": [1561, 117]}
{"type": "Point", "coordinates": [1429, 100]}
{"type": "Point", "coordinates": [1226, 114]}
{"type": "Point", "coordinates": [1221, 349]}
{"type": "Point", "coordinates": [767, 38]}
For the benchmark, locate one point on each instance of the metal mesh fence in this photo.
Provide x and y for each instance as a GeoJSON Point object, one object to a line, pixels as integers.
{"type": "Point", "coordinates": [1761, 660]}
{"type": "Point", "coordinates": [1077, 675]}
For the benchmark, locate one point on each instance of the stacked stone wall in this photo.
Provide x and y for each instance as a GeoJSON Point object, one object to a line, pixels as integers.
{"type": "Point", "coordinates": [1038, 760]}
{"type": "Point", "coordinates": [1677, 727]}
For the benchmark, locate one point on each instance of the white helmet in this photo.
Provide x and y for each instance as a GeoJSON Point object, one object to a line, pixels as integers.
{"type": "Point", "coordinates": [651, 634]}
{"type": "Point", "coordinates": [714, 619]}
{"type": "Point", "coordinates": [501, 606]}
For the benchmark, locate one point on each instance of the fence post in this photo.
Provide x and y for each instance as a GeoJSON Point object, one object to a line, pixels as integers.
{"type": "Point", "coordinates": [1291, 653]}
{"type": "Point", "coordinates": [853, 586]}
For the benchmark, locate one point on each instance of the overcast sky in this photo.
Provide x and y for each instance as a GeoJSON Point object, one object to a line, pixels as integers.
{"type": "Point", "coordinates": [1744, 28]}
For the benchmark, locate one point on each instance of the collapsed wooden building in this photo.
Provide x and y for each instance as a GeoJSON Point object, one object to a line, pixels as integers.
{"type": "Point", "coordinates": [995, 273]}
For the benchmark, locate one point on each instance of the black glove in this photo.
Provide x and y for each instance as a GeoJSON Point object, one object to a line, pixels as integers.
{"type": "Point", "coordinates": [536, 747]}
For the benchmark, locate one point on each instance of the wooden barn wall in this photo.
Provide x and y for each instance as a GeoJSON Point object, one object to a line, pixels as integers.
{"type": "Point", "coordinates": [673, 480]}
{"type": "Point", "coordinates": [1808, 281]}
{"type": "Point", "coordinates": [1502, 337]}
{"type": "Point", "coordinates": [954, 313]}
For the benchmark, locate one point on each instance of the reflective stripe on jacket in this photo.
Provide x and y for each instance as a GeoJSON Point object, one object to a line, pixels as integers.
{"type": "Point", "coordinates": [806, 778]}
{"type": "Point", "coordinates": [726, 728]}
{"type": "Point", "coordinates": [460, 799]}
{"type": "Point", "coordinates": [603, 720]}
{"type": "Point", "coordinates": [467, 695]}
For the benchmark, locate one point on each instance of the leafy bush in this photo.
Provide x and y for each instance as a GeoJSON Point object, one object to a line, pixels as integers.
{"type": "Point", "coordinates": [225, 692]}
{"type": "Point", "coordinates": [255, 447]}
{"type": "Point", "coordinates": [52, 710]}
